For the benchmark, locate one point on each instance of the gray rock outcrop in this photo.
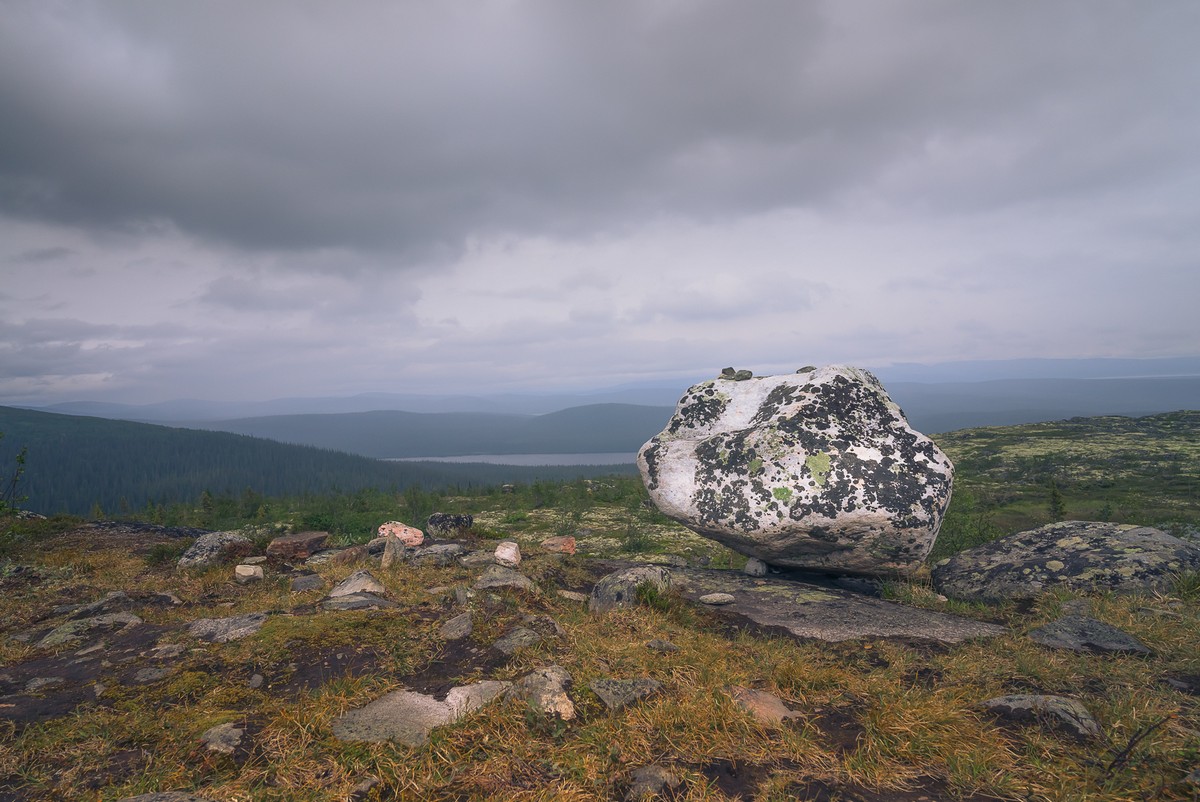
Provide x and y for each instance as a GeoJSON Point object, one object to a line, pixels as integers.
{"type": "Point", "coordinates": [216, 548]}
{"type": "Point", "coordinates": [1058, 711]}
{"type": "Point", "coordinates": [1078, 555]}
{"type": "Point", "coordinates": [409, 717]}
{"type": "Point", "coordinates": [816, 470]}
{"type": "Point", "coordinates": [1079, 633]}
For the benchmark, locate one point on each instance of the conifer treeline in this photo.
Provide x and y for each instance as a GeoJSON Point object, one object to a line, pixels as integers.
{"type": "Point", "coordinates": [76, 463]}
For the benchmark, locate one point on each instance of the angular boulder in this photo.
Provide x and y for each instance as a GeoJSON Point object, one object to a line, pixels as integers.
{"type": "Point", "coordinates": [817, 470]}
{"type": "Point", "coordinates": [445, 525]}
{"type": "Point", "coordinates": [298, 546]}
{"type": "Point", "coordinates": [1078, 555]}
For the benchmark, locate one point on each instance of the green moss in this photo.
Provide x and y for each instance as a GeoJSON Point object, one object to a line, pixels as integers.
{"type": "Point", "coordinates": [818, 465]}
{"type": "Point", "coordinates": [755, 465]}
{"type": "Point", "coordinates": [783, 494]}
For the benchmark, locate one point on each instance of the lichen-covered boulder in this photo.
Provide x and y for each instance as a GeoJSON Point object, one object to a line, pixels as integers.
{"type": "Point", "coordinates": [215, 548]}
{"type": "Point", "coordinates": [818, 469]}
{"type": "Point", "coordinates": [1077, 555]}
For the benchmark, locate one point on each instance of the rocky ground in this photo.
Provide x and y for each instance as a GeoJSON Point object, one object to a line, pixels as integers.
{"type": "Point", "coordinates": [465, 668]}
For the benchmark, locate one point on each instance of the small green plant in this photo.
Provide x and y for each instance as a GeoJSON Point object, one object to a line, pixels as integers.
{"type": "Point", "coordinates": [1186, 585]}
{"type": "Point", "coordinates": [164, 554]}
{"type": "Point", "coordinates": [10, 502]}
{"type": "Point", "coordinates": [649, 595]}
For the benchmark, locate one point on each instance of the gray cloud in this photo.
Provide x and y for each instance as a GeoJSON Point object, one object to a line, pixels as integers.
{"type": "Point", "coordinates": [416, 127]}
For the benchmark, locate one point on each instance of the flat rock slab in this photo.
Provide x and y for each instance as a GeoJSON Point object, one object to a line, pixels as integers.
{"type": "Point", "coordinates": [829, 614]}
{"type": "Point", "coordinates": [357, 601]}
{"type": "Point", "coordinates": [1081, 634]}
{"type": "Point", "coordinates": [408, 717]}
{"type": "Point", "coordinates": [1078, 555]}
{"type": "Point", "coordinates": [223, 630]}
{"type": "Point", "coordinates": [620, 693]}
{"type": "Point", "coordinates": [1058, 711]}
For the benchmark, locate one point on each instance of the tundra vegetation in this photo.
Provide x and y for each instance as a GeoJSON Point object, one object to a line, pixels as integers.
{"type": "Point", "coordinates": [876, 719]}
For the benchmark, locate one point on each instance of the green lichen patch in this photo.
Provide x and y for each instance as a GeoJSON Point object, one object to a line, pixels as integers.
{"type": "Point", "coordinates": [818, 465]}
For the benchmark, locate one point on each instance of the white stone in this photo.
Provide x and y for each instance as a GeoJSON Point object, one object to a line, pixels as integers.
{"type": "Point", "coordinates": [508, 554]}
{"type": "Point", "coordinates": [755, 567]}
{"type": "Point", "coordinates": [358, 582]}
{"type": "Point", "coordinates": [816, 470]}
{"type": "Point", "coordinates": [248, 573]}
{"type": "Point", "coordinates": [717, 599]}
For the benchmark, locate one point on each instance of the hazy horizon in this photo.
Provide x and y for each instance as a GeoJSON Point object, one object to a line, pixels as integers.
{"type": "Point", "coordinates": [244, 202]}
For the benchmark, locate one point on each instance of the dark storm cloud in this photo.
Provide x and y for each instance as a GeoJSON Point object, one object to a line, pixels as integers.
{"type": "Point", "coordinates": [415, 127]}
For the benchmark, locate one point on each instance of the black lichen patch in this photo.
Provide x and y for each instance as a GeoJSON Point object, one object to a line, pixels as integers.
{"type": "Point", "coordinates": [699, 409]}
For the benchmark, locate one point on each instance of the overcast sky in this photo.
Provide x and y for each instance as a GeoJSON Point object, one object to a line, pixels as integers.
{"type": "Point", "coordinates": [233, 200]}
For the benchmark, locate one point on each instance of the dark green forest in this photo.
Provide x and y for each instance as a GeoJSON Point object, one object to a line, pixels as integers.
{"type": "Point", "coordinates": [84, 466]}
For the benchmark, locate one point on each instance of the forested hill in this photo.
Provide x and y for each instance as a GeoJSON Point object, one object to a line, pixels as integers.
{"type": "Point", "coordinates": [390, 434]}
{"type": "Point", "coordinates": [76, 462]}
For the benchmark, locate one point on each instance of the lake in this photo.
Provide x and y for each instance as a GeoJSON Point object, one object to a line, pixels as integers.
{"type": "Point", "coordinates": [618, 458]}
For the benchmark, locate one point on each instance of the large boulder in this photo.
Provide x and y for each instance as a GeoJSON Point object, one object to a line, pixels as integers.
{"type": "Point", "coordinates": [1076, 555]}
{"type": "Point", "coordinates": [818, 469]}
{"type": "Point", "coordinates": [216, 548]}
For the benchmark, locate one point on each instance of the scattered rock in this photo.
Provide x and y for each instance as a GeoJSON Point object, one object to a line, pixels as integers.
{"type": "Point", "coordinates": [508, 554]}
{"type": "Point", "coordinates": [357, 601]}
{"type": "Point", "coordinates": [358, 582]}
{"type": "Point", "coordinates": [620, 693]}
{"type": "Point", "coordinates": [215, 548]}
{"type": "Point", "coordinates": [754, 567]}
{"type": "Point", "coordinates": [519, 638]}
{"type": "Point", "coordinates": [38, 683]}
{"type": "Point", "coordinates": [257, 560]}
{"type": "Point", "coordinates": [572, 595]}
{"type": "Point", "coordinates": [299, 546]}
{"type": "Point", "coordinates": [442, 554]}
{"type": "Point", "coordinates": [619, 589]}
{"type": "Point", "coordinates": [350, 554]}
{"type": "Point", "coordinates": [766, 708]}
{"type": "Point", "coordinates": [477, 558]}
{"type": "Point", "coordinates": [145, 676]}
{"type": "Point", "coordinates": [445, 525]}
{"type": "Point", "coordinates": [457, 628]}
{"type": "Point", "coordinates": [110, 603]}
{"type": "Point", "coordinates": [817, 471]}
{"type": "Point", "coordinates": [72, 632]}
{"type": "Point", "coordinates": [664, 646]}
{"type": "Point", "coordinates": [1059, 711]}
{"type": "Point", "coordinates": [717, 599]}
{"type": "Point", "coordinates": [648, 782]}
{"type": "Point", "coordinates": [406, 535]}
{"type": "Point", "coordinates": [323, 557]}
{"type": "Point", "coordinates": [167, 796]}
{"type": "Point", "coordinates": [306, 582]}
{"type": "Point", "coordinates": [166, 651]}
{"type": "Point", "coordinates": [223, 630]}
{"type": "Point", "coordinates": [546, 690]}
{"type": "Point", "coordinates": [408, 717]}
{"type": "Point", "coordinates": [1080, 634]}
{"type": "Point", "coordinates": [363, 790]}
{"type": "Point", "coordinates": [256, 681]}
{"type": "Point", "coordinates": [376, 545]}
{"type": "Point", "coordinates": [497, 576]}
{"type": "Point", "coordinates": [245, 574]}
{"type": "Point", "coordinates": [223, 738]}
{"type": "Point", "coordinates": [562, 544]}
{"type": "Point", "coordinates": [543, 625]}
{"type": "Point", "coordinates": [1078, 555]}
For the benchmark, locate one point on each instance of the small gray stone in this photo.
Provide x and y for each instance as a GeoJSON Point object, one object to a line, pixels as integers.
{"type": "Point", "coordinates": [37, 683]}
{"type": "Point", "coordinates": [223, 630]}
{"type": "Point", "coordinates": [519, 638]}
{"type": "Point", "coordinates": [544, 625]}
{"type": "Point", "coordinates": [358, 582]}
{"type": "Point", "coordinates": [619, 693]}
{"type": "Point", "coordinates": [256, 682]}
{"type": "Point", "coordinates": [458, 627]}
{"type": "Point", "coordinates": [619, 589]}
{"type": "Point", "coordinates": [497, 576]}
{"type": "Point", "coordinates": [307, 582]}
{"type": "Point", "coordinates": [546, 690]}
{"type": "Point", "coordinates": [441, 554]}
{"type": "Point", "coordinates": [754, 567]}
{"type": "Point", "coordinates": [664, 646]}
{"type": "Point", "coordinates": [167, 796]}
{"type": "Point", "coordinates": [717, 599]}
{"type": "Point", "coordinates": [258, 560]}
{"type": "Point", "coordinates": [573, 595]}
{"type": "Point", "coordinates": [223, 738]}
{"type": "Point", "coordinates": [166, 651]}
{"type": "Point", "coordinates": [1080, 634]}
{"type": "Point", "coordinates": [477, 558]}
{"type": "Point", "coordinates": [1060, 711]}
{"type": "Point", "coordinates": [648, 782]}
{"type": "Point", "coordinates": [357, 601]}
{"type": "Point", "coordinates": [245, 574]}
{"type": "Point", "coordinates": [147, 675]}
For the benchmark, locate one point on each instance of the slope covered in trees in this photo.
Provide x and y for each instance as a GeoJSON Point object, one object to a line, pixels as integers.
{"type": "Point", "coordinates": [75, 463]}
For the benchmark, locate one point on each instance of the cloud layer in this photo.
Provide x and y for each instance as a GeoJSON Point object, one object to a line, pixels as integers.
{"type": "Point", "coordinates": [280, 198]}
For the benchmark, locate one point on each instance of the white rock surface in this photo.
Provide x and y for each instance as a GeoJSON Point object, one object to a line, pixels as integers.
{"type": "Point", "coordinates": [248, 573]}
{"type": "Point", "coordinates": [816, 470]}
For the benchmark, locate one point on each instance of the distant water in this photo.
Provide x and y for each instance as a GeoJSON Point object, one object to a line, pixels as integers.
{"type": "Point", "coordinates": [620, 458]}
